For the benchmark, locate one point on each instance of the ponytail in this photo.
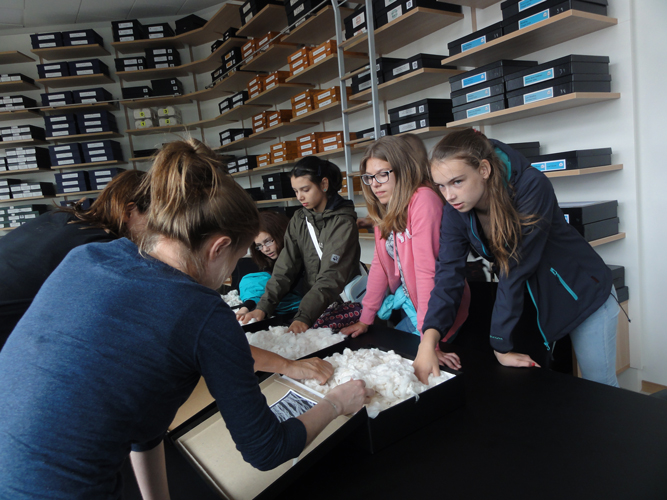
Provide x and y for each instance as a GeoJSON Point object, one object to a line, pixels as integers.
{"type": "Point", "coordinates": [317, 169]}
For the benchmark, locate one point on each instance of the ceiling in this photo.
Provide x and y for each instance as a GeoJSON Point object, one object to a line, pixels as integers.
{"type": "Point", "coordinates": [40, 13]}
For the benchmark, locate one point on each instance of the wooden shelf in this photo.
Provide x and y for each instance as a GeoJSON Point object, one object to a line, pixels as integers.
{"type": "Point", "coordinates": [156, 102]}
{"type": "Point", "coordinates": [283, 129]}
{"type": "Point", "coordinates": [359, 107]}
{"type": "Point", "coordinates": [75, 81]}
{"type": "Point", "coordinates": [92, 164]}
{"type": "Point", "coordinates": [25, 171]}
{"type": "Point", "coordinates": [72, 108]}
{"type": "Point", "coordinates": [152, 74]}
{"type": "Point", "coordinates": [158, 130]}
{"type": "Point", "coordinates": [558, 29]}
{"type": "Point", "coordinates": [19, 114]}
{"type": "Point", "coordinates": [318, 28]}
{"type": "Point", "coordinates": [279, 200]}
{"type": "Point", "coordinates": [272, 59]}
{"type": "Point", "coordinates": [142, 159]}
{"type": "Point", "coordinates": [415, 24]}
{"type": "Point", "coordinates": [235, 82]}
{"type": "Point", "coordinates": [71, 52]}
{"type": "Point", "coordinates": [326, 69]}
{"type": "Point", "coordinates": [537, 108]}
{"type": "Point", "coordinates": [266, 168]}
{"type": "Point", "coordinates": [323, 114]}
{"type": "Point", "coordinates": [7, 228]}
{"type": "Point", "coordinates": [583, 171]}
{"type": "Point", "coordinates": [414, 81]}
{"type": "Point", "coordinates": [608, 239]}
{"type": "Point", "coordinates": [21, 200]}
{"type": "Point", "coordinates": [236, 114]}
{"type": "Point", "coordinates": [77, 193]}
{"type": "Point", "coordinates": [358, 71]}
{"type": "Point", "coordinates": [27, 142]}
{"type": "Point", "coordinates": [227, 17]}
{"type": "Point", "coordinates": [429, 132]}
{"type": "Point", "coordinates": [85, 137]}
{"type": "Point", "coordinates": [16, 87]}
{"type": "Point", "coordinates": [366, 236]}
{"type": "Point", "coordinates": [246, 142]}
{"type": "Point", "coordinates": [270, 18]}
{"type": "Point", "coordinates": [14, 57]}
{"type": "Point", "coordinates": [280, 93]}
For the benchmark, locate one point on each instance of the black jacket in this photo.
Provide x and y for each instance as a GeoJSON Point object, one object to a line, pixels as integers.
{"type": "Point", "coordinates": [565, 278]}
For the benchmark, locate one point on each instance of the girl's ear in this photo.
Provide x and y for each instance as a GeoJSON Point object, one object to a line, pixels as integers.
{"type": "Point", "coordinates": [324, 185]}
{"type": "Point", "coordinates": [485, 169]}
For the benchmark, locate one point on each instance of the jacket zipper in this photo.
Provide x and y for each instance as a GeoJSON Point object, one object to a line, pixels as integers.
{"type": "Point", "coordinates": [480, 241]}
{"type": "Point", "coordinates": [562, 282]}
{"type": "Point", "coordinates": [546, 342]}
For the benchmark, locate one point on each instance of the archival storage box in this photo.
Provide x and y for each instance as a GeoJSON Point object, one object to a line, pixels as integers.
{"type": "Point", "coordinates": [475, 39]}
{"type": "Point", "coordinates": [527, 149]}
{"type": "Point", "coordinates": [560, 86]}
{"type": "Point", "coordinates": [546, 10]}
{"type": "Point", "coordinates": [483, 90]}
{"type": "Point", "coordinates": [586, 212]}
{"type": "Point", "coordinates": [511, 8]}
{"type": "Point", "coordinates": [572, 64]}
{"type": "Point", "coordinates": [617, 275]}
{"type": "Point", "coordinates": [481, 107]}
{"type": "Point", "coordinates": [570, 160]}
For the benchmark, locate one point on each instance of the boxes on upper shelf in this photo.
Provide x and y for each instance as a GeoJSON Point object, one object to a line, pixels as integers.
{"type": "Point", "coordinates": [159, 30]}
{"type": "Point", "coordinates": [138, 92]}
{"type": "Point", "coordinates": [383, 65]}
{"type": "Point", "coordinates": [22, 133]}
{"type": "Point", "coordinates": [571, 160]}
{"type": "Point", "coordinates": [57, 98]}
{"type": "Point", "coordinates": [567, 84]}
{"type": "Point", "coordinates": [277, 117]}
{"type": "Point", "coordinates": [15, 102]}
{"type": "Point", "coordinates": [128, 30]}
{"type": "Point", "coordinates": [27, 158]}
{"type": "Point", "coordinates": [91, 96]}
{"type": "Point", "coordinates": [165, 57]}
{"type": "Point", "coordinates": [66, 154]}
{"type": "Point", "coordinates": [369, 133]}
{"type": "Point", "coordinates": [189, 23]}
{"type": "Point", "coordinates": [32, 189]}
{"type": "Point", "coordinates": [167, 87]}
{"type": "Point", "coordinates": [72, 182]}
{"type": "Point", "coordinates": [563, 66]}
{"type": "Point", "coordinates": [475, 39]}
{"type": "Point", "coordinates": [594, 219]}
{"type": "Point", "coordinates": [46, 40]}
{"type": "Point", "coordinates": [420, 114]}
{"type": "Point", "coordinates": [88, 67]}
{"type": "Point", "coordinates": [414, 63]}
{"type": "Point", "coordinates": [99, 121]}
{"type": "Point", "coordinates": [82, 37]}
{"type": "Point", "coordinates": [234, 134]}
{"type": "Point", "coordinates": [135, 63]}
{"type": "Point", "coordinates": [246, 163]}
{"type": "Point", "coordinates": [53, 70]}
{"type": "Point", "coordinates": [100, 178]}
{"type": "Point", "coordinates": [547, 9]}
{"type": "Point", "coordinates": [99, 151]}
{"type": "Point", "coordinates": [488, 72]}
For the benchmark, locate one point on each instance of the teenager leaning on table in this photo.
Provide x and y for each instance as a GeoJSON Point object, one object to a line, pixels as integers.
{"type": "Point", "coordinates": [507, 210]}
{"type": "Point", "coordinates": [407, 213]}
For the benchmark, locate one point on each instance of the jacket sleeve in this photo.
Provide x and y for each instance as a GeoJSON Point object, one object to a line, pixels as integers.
{"type": "Point", "coordinates": [449, 285]}
{"type": "Point", "coordinates": [534, 196]}
{"type": "Point", "coordinates": [286, 270]}
{"type": "Point", "coordinates": [340, 256]}
{"type": "Point", "coordinates": [376, 286]}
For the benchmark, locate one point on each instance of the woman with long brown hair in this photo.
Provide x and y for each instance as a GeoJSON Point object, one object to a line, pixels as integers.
{"type": "Point", "coordinates": [507, 210]}
{"type": "Point", "coordinates": [119, 335]}
{"type": "Point", "coordinates": [407, 212]}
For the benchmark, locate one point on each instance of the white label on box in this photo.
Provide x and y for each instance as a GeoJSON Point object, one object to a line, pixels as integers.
{"type": "Point", "coordinates": [60, 125]}
{"type": "Point", "coordinates": [62, 148]}
{"type": "Point", "coordinates": [275, 122]}
{"type": "Point", "coordinates": [71, 190]}
{"type": "Point", "coordinates": [159, 51]}
{"type": "Point", "coordinates": [56, 96]}
{"type": "Point", "coordinates": [70, 183]}
{"type": "Point", "coordinates": [330, 148]}
{"type": "Point", "coordinates": [407, 126]}
{"type": "Point", "coordinates": [248, 17]}
{"type": "Point", "coordinates": [395, 13]}
{"type": "Point", "coordinates": [299, 113]}
{"type": "Point", "coordinates": [94, 130]}
{"type": "Point", "coordinates": [90, 124]}
{"type": "Point", "coordinates": [323, 56]}
{"type": "Point", "coordinates": [535, 18]}
{"type": "Point", "coordinates": [126, 38]}
{"type": "Point", "coordinates": [407, 112]}
{"type": "Point", "coordinates": [259, 129]}
{"type": "Point", "coordinates": [54, 119]}
{"type": "Point", "coordinates": [46, 37]}
{"type": "Point", "coordinates": [53, 75]}
{"type": "Point", "coordinates": [156, 35]}
{"type": "Point", "coordinates": [246, 7]}
{"type": "Point", "coordinates": [66, 162]}
{"type": "Point", "coordinates": [98, 158]}
{"type": "Point", "coordinates": [270, 86]}
{"type": "Point", "coordinates": [480, 110]}
{"type": "Point", "coordinates": [326, 103]}
{"type": "Point", "coordinates": [99, 180]}
{"type": "Point", "coordinates": [365, 85]}
{"type": "Point", "coordinates": [85, 72]}
{"type": "Point", "coordinates": [124, 25]}
{"type": "Point", "coordinates": [330, 139]}
{"type": "Point", "coordinates": [102, 172]}
{"type": "Point", "coordinates": [64, 155]}
{"type": "Point", "coordinates": [358, 20]}
{"type": "Point", "coordinates": [152, 29]}
{"type": "Point", "coordinates": [51, 67]}
{"type": "Point", "coordinates": [299, 9]}
{"type": "Point", "coordinates": [299, 70]}
{"type": "Point", "coordinates": [541, 76]}
{"type": "Point", "coordinates": [69, 176]}
{"type": "Point", "coordinates": [323, 95]}
{"type": "Point", "coordinates": [84, 65]}
{"type": "Point", "coordinates": [401, 69]}
{"type": "Point", "coordinates": [87, 94]}
{"type": "Point", "coordinates": [78, 34]}
{"type": "Point", "coordinates": [57, 134]}
{"type": "Point", "coordinates": [93, 145]}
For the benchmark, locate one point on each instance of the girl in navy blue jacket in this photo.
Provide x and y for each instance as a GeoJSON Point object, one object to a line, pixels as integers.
{"type": "Point", "coordinates": [507, 211]}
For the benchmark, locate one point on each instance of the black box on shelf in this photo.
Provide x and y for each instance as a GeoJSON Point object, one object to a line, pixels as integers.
{"type": "Point", "coordinates": [62, 129]}
{"type": "Point", "coordinates": [431, 107]}
{"type": "Point", "coordinates": [14, 102]}
{"type": "Point", "coordinates": [32, 189]}
{"type": "Point", "coordinates": [475, 39]}
{"type": "Point", "coordinates": [419, 122]}
{"type": "Point", "coordinates": [481, 107]}
{"type": "Point", "coordinates": [560, 86]}
{"type": "Point", "coordinates": [511, 8]}
{"type": "Point", "coordinates": [163, 61]}
{"type": "Point", "coordinates": [571, 160]}
{"type": "Point", "coordinates": [255, 193]}
{"type": "Point", "coordinates": [57, 98]}
{"type": "Point", "coordinates": [476, 92]}
{"type": "Point", "coordinates": [46, 40]}
{"type": "Point", "coordinates": [617, 275]}
{"type": "Point", "coordinates": [369, 133]}
{"type": "Point", "coordinates": [66, 154]}
{"type": "Point", "coordinates": [216, 45]}
{"type": "Point", "coordinates": [579, 213]}
{"type": "Point", "coordinates": [546, 10]}
{"type": "Point", "coordinates": [563, 66]}
{"type": "Point", "coordinates": [623, 294]}
{"type": "Point", "coordinates": [278, 192]}
{"type": "Point", "coordinates": [127, 30]}
{"type": "Point", "coordinates": [99, 121]}
{"type": "Point", "coordinates": [72, 178]}
{"type": "Point", "coordinates": [488, 72]}
{"type": "Point", "coordinates": [527, 149]}
{"type": "Point", "coordinates": [246, 163]}
{"type": "Point", "coordinates": [138, 92]}
{"type": "Point", "coordinates": [24, 158]}
{"type": "Point", "coordinates": [239, 98]}
{"type": "Point", "coordinates": [189, 23]}
{"type": "Point", "coordinates": [22, 133]}
{"type": "Point", "coordinates": [414, 63]}
{"type": "Point", "coordinates": [225, 105]}
{"type": "Point", "coordinates": [218, 74]}
{"type": "Point", "coordinates": [16, 77]}
{"type": "Point", "coordinates": [100, 178]}
{"type": "Point", "coordinates": [130, 63]}
{"type": "Point", "coordinates": [88, 67]}
{"type": "Point", "coordinates": [106, 150]}
{"type": "Point", "coordinates": [233, 135]}
{"type": "Point", "coordinates": [82, 37]}
{"type": "Point", "coordinates": [53, 70]}
{"type": "Point", "coordinates": [231, 32]}
{"type": "Point", "coordinates": [383, 65]}
{"type": "Point", "coordinates": [599, 229]}
{"type": "Point", "coordinates": [91, 96]}
{"type": "Point", "coordinates": [232, 55]}
{"type": "Point", "coordinates": [276, 178]}
{"type": "Point", "coordinates": [167, 86]}
{"type": "Point", "coordinates": [159, 30]}
{"type": "Point", "coordinates": [355, 23]}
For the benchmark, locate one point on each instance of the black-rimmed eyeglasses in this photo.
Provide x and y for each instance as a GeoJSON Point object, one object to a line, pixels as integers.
{"type": "Point", "coordinates": [380, 177]}
{"type": "Point", "coordinates": [266, 243]}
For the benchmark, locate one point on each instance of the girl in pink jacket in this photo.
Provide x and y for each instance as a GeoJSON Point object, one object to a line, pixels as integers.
{"type": "Point", "coordinates": [407, 212]}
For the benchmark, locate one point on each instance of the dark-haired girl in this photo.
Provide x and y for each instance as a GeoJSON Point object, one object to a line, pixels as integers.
{"type": "Point", "coordinates": [329, 220]}
{"type": "Point", "coordinates": [507, 210]}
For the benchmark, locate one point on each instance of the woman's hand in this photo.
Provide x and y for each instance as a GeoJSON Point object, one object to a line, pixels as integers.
{"type": "Point", "coordinates": [298, 327]}
{"type": "Point", "coordinates": [449, 359]}
{"type": "Point", "coordinates": [426, 361]}
{"type": "Point", "coordinates": [515, 359]}
{"type": "Point", "coordinates": [350, 396]}
{"type": "Point", "coordinates": [241, 313]}
{"type": "Point", "coordinates": [355, 330]}
{"type": "Point", "coordinates": [310, 368]}
{"type": "Point", "coordinates": [257, 314]}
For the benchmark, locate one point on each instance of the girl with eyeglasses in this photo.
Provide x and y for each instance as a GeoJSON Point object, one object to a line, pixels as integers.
{"type": "Point", "coordinates": [265, 251]}
{"type": "Point", "coordinates": [326, 220]}
{"type": "Point", "coordinates": [407, 211]}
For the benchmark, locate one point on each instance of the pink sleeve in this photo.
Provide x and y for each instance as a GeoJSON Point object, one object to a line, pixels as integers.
{"type": "Point", "coordinates": [376, 286]}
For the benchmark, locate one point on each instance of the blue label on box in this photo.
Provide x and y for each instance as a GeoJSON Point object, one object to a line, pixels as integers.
{"type": "Point", "coordinates": [539, 95]}
{"type": "Point", "coordinates": [535, 18]}
{"type": "Point", "coordinates": [525, 4]}
{"type": "Point", "coordinates": [541, 76]}
{"type": "Point", "coordinates": [467, 82]}
{"type": "Point", "coordinates": [479, 94]}
{"type": "Point", "coordinates": [567, 218]}
{"type": "Point", "coordinates": [548, 166]}
{"type": "Point", "coordinates": [473, 43]}
{"type": "Point", "coordinates": [481, 110]}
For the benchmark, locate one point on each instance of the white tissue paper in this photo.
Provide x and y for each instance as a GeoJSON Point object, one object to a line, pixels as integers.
{"type": "Point", "coordinates": [278, 340]}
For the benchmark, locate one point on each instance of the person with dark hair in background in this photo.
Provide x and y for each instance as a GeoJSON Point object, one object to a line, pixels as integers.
{"type": "Point", "coordinates": [89, 375]}
{"type": "Point", "coordinates": [327, 220]}
{"type": "Point", "coordinates": [31, 252]}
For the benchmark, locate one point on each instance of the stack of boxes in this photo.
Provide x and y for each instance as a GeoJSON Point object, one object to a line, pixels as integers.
{"type": "Point", "coordinates": [20, 189]}
{"type": "Point", "coordinates": [145, 118]}
{"type": "Point", "coordinates": [234, 134]}
{"type": "Point", "coordinates": [96, 122]}
{"type": "Point", "coordinates": [26, 159]}
{"type": "Point", "coordinates": [235, 100]}
{"type": "Point", "coordinates": [275, 78]}
{"type": "Point", "coordinates": [15, 102]}
{"type": "Point", "coordinates": [72, 182]}
{"type": "Point", "coordinates": [72, 68]}
{"type": "Point", "coordinates": [101, 151]}
{"type": "Point", "coordinates": [618, 277]}
{"type": "Point", "coordinates": [160, 30]}
{"type": "Point", "coordinates": [520, 14]}
{"type": "Point", "coordinates": [302, 103]}
{"type": "Point", "coordinates": [232, 58]}
{"type": "Point", "coordinates": [326, 97]}
{"type": "Point", "coordinates": [168, 116]}
{"type": "Point", "coordinates": [420, 114]}
{"type": "Point", "coordinates": [22, 133]}
{"type": "Point", "coordinates": [321, 52]}
{"type": "Point", "coordinates": [283, 152]}
{"type": "Point", "coordinates": [275, 118]}
{"type": "Point", "coordinates": [298, 9]}
{"type": "Point", "coordinates": [307, 144]}
{"type": "Point", "coordinates": [255, 86]}
{"type": "Point", "coordinates": [298, 61]}
{"type": "Point", "coordinates": [246, 163]}
{"type": "Point", "coordinates": [46, 40]}
{"type": "Point", "coordinates": [66, 154]}
{"type": "Point", "coordinates": [259, 122]}
{"type": "Point", "coordinates": [135, 63]}
{"type": "Point", "coordinates": [332, 141]}
{"type": "Point", "coordinates": [593, 219]}
{"type": "Point", "coordinates": [65, 39]}
{"type": "Point", "coordinates": [167, 87]}
{"type": "Point", "coordinates": [87, 96]}
{"type": "Point", "coordinates": [166, 57]}
{"type": "Point", "coordinates": [571, 160]}
{"type": "Point", "coordinates": [100, 178]}
{"type": "Point", "coordinates": [356, 184]}
{"type": "Point", "coordinates": [383, 66]}
{"type": "Point", "coordinates": [157, 117]}
{"type": "Point", "coordinates": [137, 92]}
{"type": "Point", "coordinates": [53, 70]}
{"type": "Point", "coordinates": [277, 186]}
{"type": "Point", "coordinates": [248, 49]}
{"type": "Point", "coordinates": [15, 216]}
{"type": "Point", "coordinates": [127, 31]}
{"type": "Point", "coordinates": [61, 125]}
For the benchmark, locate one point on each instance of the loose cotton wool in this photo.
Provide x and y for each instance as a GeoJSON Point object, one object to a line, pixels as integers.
{"type": "Point", "coordinates": [232, 298]}
{"type": "Point", "coordinates": [278, 340]}
{"type": "Point", "coordinates": [391, 376]}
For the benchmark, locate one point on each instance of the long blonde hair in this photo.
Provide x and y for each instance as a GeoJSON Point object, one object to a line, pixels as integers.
{"type": "Point", "coordinates": [192, 199]}
{"type": "Point", "coordinates": [473, 147]}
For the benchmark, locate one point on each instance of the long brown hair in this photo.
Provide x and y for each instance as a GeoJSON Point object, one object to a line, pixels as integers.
{"type": "Point", "coordinates": [472, 147]}
{"type": "Point", "coordinates": [275, 225]}
{"type": "Point", "coordinates": [409, 164]}
{"type": "Point", "coordinates": [109, 209]}
{"type": "Point", "coordinates": [192, 199]}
